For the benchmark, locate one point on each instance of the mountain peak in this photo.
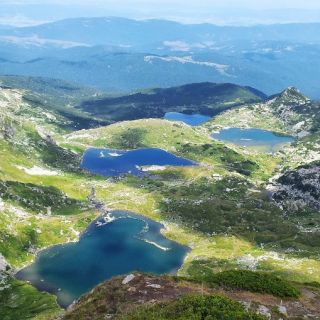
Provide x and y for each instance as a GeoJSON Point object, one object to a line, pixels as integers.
{"type": "Point", "coordinates": [292, 95]}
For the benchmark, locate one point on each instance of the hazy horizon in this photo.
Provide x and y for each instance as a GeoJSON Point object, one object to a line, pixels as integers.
{"type": "Point", "coordinates": [243, 12]}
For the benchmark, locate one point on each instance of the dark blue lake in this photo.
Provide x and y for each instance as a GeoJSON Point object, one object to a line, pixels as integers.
{"type": "Point", "coordinates": [114, 163]}
{"type": "Point", "coordinates": [190, 119]}
{"type": "Point", "coordinates": [253, 137]}
{"type": "Point", "coordinates": [128, 243]}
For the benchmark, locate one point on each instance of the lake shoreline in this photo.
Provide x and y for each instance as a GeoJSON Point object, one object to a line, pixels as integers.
{"type": "Point", "coordinates": [157, 228]}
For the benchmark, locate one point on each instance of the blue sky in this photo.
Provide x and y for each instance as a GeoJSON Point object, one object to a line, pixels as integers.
{"type": "Point", "coordinates": [208, 3]}
{"type": "Point", "coordinates": [236, 12]}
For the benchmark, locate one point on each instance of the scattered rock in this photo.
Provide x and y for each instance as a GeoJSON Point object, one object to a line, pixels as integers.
{"type": "Point", "coordinates": [263, 310]}
{"type": "Point", "coordinates": [128, 278]}
{"type": "Point", "coordinates": [282, 310]}
{"type": "Point", "coordinates": [155, 286]}
{"type": "Point", "coordinates": [3, 263]}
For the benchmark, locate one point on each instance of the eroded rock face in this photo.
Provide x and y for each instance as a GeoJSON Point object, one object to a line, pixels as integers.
{"type": "Point", "coordinates": [298, 189]}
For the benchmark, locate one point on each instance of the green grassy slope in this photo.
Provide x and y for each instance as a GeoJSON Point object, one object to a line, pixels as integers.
{"type": "Point", "coordinates": [174, 137]}
{"type": "Point", "coordinates": [289, 112]}
{"type": "Point", "coordinates": [56, 97]}
{"type": "Point", "coordinates": [21, 301]}
{"type": "Point", "coordinates": [220, 209]}
{"type": "Point", "coordinates": [166, 297]}
{"type": "Point", "coordinates": [39, 204]}
{"type": "Point", "coordinates": [205, 98]}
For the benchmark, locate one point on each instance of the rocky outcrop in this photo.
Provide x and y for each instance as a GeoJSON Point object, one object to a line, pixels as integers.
{"type": "Point", "coordinates": [299, 114]}
{"type": "Point", "coordinates": [123, 294]}
{"type": "Point", "coordinates": [3, 264]}
{"type": "Point", "coordinates": [298, 189]}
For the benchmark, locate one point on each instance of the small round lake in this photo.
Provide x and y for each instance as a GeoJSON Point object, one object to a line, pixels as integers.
{"type": "Point", "coordinates": [268, 140]}
{"type": "Point", "coordinates": [128, 243]}
{"type": "Point", "coordinates": [114, 163]}
{"type": "Point", "coordinates": [190, 119]}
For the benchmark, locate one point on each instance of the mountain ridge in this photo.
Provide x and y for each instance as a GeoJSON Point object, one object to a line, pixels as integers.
{"type": "Point", "coordinates": [206, 98]}
{"type": "Point", "coordinates": [258, 31]}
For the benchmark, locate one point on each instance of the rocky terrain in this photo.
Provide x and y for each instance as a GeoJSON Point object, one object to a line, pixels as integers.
{"type": "Point", "coordinates": [123, 295]}
{"type": "Point", "coordinates": [296, 186]}
{"type": "Point", "coordinates": [299, 189]}
{"type": "Point", "coordinates": [290, 112]}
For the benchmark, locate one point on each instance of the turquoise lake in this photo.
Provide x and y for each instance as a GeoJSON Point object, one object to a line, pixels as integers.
{"type": "Point", "coordinates": [190, 119]}
{"type": "Point", "coordinates": [253, 137]}
{"type": "Point", "coordinates": [115, 163]}
{"type": "Point", "coordinates": [128, 243]}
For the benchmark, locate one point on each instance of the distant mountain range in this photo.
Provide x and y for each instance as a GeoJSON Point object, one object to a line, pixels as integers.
{"type": "Point", "coordinates": [123, 55]}
{"type": "Point", "coordinates": [114, 31]}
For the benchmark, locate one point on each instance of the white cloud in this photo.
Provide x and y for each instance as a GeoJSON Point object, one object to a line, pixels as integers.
{"type": "Point", "coordinates": [221, 68]}
{"type": "Point", "coordinates": [19, 20]}
{"type": "Point", "coordinates": [183, 46]}
{"type": "Point", "coordinates": [177, 45]}
{"type": "Point", "coordinates": [40, 42]}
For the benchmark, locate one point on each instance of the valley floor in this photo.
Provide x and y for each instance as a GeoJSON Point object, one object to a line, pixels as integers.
{"type": "Point", "coordinates": [221, 208]}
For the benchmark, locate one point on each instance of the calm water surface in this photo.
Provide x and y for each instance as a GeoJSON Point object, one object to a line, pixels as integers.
{"type": "Point", "coordinates": [190, 119]}
{"type": "Point", "coordinates": [253, 137]}
{"type": "Point", "coordinates": [114, 163]}
{"type": "Point", "coordinates": [128, 243]}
